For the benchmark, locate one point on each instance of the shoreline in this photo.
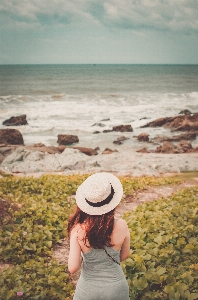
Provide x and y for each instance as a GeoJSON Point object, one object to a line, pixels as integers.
{"type": "Point", "coordinates": [124, 163]}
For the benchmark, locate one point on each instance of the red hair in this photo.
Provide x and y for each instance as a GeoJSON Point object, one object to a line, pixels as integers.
{"type": "Point", "coordinates": [98, 227]}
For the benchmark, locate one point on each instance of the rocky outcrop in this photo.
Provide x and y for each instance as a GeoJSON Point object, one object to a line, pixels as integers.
{"type": "Point", "coordinates": [178, 123]}
{"type": "Point", "coordinates": [123, 128]}
{"type": "Point", "coordinates": [11, 137]}
{"type": "Point", "coordinates": [143, 137]}
{"type": "Point", "coordinates": [107, 130]}
{"type": "Point", "coordinates": [120, 140]}
{"type": "Point", "coordinates": [66, 139]}
{"type": "Point", "coordinates": [16, 121]}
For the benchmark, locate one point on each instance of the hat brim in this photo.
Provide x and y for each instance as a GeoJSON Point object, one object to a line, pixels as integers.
{"type": "Point", "coordinates": [81, 195]}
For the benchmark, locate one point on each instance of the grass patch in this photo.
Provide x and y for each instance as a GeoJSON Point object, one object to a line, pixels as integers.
{"type": "Point", "coordinates": [164, 248]}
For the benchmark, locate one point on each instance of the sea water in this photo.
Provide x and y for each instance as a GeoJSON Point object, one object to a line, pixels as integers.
{"type": "Point", "coordinates": [70, 99]}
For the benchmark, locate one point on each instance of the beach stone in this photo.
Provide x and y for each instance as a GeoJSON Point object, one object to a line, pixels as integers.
{"type": "Point", "coordinates": [185, 145]}
{"type": "Point", "coordinates": [99, 124]}
{"type": "Point", "coordinates": [108, 151]}
{"type": "Point", "coordinates": [96, 132]}
{"type": "Point", "coordinates": [107, 130]}
{"type": "Point", "coordinates": [168, 148]}
{"type": "Point", "coordinates": [143, 137]}
{"type": "Point", "coordinates": [66, 139]}
{"type": "Point", "coordinates": [175, 138]}
{"type": "Point", "coordinates": [87, 151]}
{"type": "Point", "coordinates": [11, 137]}
{"type": "Point", "coordinates": [123, 128]}
{"type": "Point", "coordinates": [16, 121]}
{"type": "Point", "coordinates": [105, 120]}
{"type": "Point", "coordinates": [120, 140]}
{"type": "Point", "coordinates": [142, 150]}
{"type": "Point", "coordinates": [185, 112]}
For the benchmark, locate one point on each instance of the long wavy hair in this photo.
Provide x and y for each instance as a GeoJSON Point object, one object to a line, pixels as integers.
{"type": "Point", "coordinates": [98, 229]}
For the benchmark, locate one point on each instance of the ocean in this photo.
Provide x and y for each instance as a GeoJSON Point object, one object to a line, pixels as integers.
{"type": "Point", "coordinates": [70, 99]}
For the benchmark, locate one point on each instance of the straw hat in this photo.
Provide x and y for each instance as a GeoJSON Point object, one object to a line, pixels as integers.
{"type": "Point", "coordinates": [99, 193]}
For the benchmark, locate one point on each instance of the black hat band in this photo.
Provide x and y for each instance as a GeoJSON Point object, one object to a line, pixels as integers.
{"type": "Point", "coordinates": [104, 202]}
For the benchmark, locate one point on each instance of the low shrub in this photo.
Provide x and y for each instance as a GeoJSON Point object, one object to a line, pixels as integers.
{"type": "Point", "coordinates": [35, 220]}
{"type": "Point", "coordinates": [164, 248]}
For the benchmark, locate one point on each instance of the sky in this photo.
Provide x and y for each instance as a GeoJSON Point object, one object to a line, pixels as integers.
{"type": "Point", "coordinates": [99, 32]}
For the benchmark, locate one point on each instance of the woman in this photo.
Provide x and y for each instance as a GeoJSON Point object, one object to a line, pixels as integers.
{"type": "Point", "coordinates": [98, 240]}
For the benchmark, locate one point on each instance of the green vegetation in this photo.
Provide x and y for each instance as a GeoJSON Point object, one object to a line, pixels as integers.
{"type": "Point", "coordinates": [36, 221]}
{"type": "Point", "coordinates": [164, 243]}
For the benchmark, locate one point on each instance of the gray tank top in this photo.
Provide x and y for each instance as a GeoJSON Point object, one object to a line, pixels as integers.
{"type": "Point", "coordinates": [101, 278]}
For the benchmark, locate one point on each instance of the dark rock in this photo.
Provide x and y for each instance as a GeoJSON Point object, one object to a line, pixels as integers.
{"type": "Point", "coordinates": [87, 151]}
{"type": "Point", "coordinates": [123, 128]}
{"type": "Point", "coordinates": [11, 137]}
{"type": "Point", "coordinates": [176, 138]}
{"type": "Point", "coordinates": [108, 151]}
{"type": "Point", "coordinates": [144, 118]}
{"type": "Point", "coordinates": [99, 124]}
{"type": "Point", "coordinates": [142, 150]}
{"type": "Point", "coordinates": [66, 139]}
{"type": "Point", "coordinates": [185, 146]}
{"type": "Point", "coordinates": [185, 112]}
{"type": "Point", "coordinates": [16, 121]}
{"type": "Point", "coordinates": [96, 132]}
{"type": "Point", "coordinates": [143, 137]}
{"type": "Point", "coordinates": [107, 130]}
{"type": "Point", "coordinates": [120, 140]}
{"type": "Point", "coordinates": [97, 148]}
{"type": "Point", "coordinates": [158, 122]}
{"type": "Point", "coordinates": [105, 120]}
{"type": "Point", "coordinates": [167, 147]}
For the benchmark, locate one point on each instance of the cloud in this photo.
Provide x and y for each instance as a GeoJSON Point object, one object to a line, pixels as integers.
{"type": "Point", "coordinates": [171, 15]}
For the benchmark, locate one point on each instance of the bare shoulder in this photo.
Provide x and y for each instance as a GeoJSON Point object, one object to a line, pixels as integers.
{"type": "Point", "coordinates": [121, 224]}
{"type": "Point", "coordinates": [75, 229]}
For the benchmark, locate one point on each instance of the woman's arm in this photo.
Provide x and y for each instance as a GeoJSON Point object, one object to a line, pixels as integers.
{"type": "Point", "coordinates": [75, 258]}
{"type": "Point", "coordinates": [125, 249]}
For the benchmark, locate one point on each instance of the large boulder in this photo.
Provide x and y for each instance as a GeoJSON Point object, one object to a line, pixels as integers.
{"type": "Point", "coordinates": [16, 121]}
{"type": "Point", "coordinates": [11, 137]}
{"type": "Point", "coordinates": [66, 139]}
{"type": "Point", "coordinates": [123, 128]}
